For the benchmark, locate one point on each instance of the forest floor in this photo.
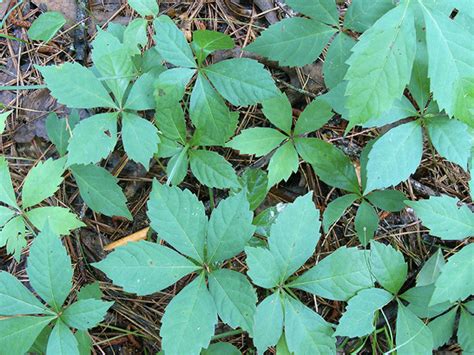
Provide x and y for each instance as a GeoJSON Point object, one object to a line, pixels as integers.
{"type": "Point", "coordinates": [132, 325]}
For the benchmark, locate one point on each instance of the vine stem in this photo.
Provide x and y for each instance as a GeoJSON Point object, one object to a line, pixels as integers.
{"type": "Point", "coordinates": [227, 334]}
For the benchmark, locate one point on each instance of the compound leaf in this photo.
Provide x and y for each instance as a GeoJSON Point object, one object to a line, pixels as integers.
{"type": "Point", "coordinates": [189, 320]}
{"type": "Point", "coordinates": [444, 218]}
{"type": "Point", "coordinates": [336, 208]}
{"type": "Point", "coordinates": [293, 42]}
{"type": "Point", "coordinates": [314, 116]}
{"type": "Point", "coordinates": [282, 164]}
{"type": "Point", "coordinates": [49, 269]}
{"type": "Point", "coordinates": [61, 220]}
{"type": "Point", "coordinates": [62, 340]}
{"type": "Point", "coordinates": [279, 112]}
{"type": "Point", "coordinates": [241, 81]}
{"type": "Point", "coordinates": [442, 328]}
{"type": "Point", "coordinates": [100, 191]}
{"type": "Point", "coordinates": [179, 218]}
{"type": "Point", "coordinates": [263, 269]}
{"type": "Point", "coordinates": [234, 297]}
{"type": "Point", "coordinates": [141, 94]}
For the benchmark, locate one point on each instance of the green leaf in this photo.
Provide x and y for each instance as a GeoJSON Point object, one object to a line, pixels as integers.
{"type": "Point", "coordinates": [444, 218]}
{"type": "Point", "coordinates": [62, 341]}
{"type": "Point", "coordinates": [144, 7]}
{"type": "Point", "coordinates": [419, 299]}
{"type": "Point", "coordinates": [85, 314]}
{"type": "Point", "coordinates": [59, 130]}
{"type": "Point", "coordinates": [141, 94]}
{"type": "Point", "coordinates": [117, 64]}
{"type": "Point", "coordinates": [84, 342]}
{"type": "Point", "coordinates": [179, 218]}
{"type": "Point", "coordinates": [269, 311]}
{"type": "Point", "coordinates": [45, 27]}
{"type": "Point", "coordinates": [279, 112]}
{"type": "Point", "coordinates": [381, 64]}
{"type": "Point", "coordinates": [465, 331]}
{"type": "Point", "coordinates": [177, 167]}
{"type": "Point", "coordinates": [145, 268]}
{"type": "Point", "coordinates": [388, 266]}
{"type": "Point", "coordinates": [84, 90]}
{"type": "Point", "coordinates": [431, 269]}
{"type": "Point", "coordinates": [49, 269]}
{"type": "Point", "coordinates": [283, 163]}
{"type": "Point", "coordinates": [230, 228]}
{"type": "Point", "coordinates": [42, 181]}
{"type": "Point", "coordinates": [7, 194]}
{"type": "Point", "coordinates": [442, 328]}
{"type": "Point", "coordinates": [205, 42]}
{"type": "Point", "coordinates": [171, 43]}
{"type": "Point", "coordinates": [170, 86]}
{"type": "Point", "coordinates": [104, 43]}
{"type": "Point", "coordinates": [281, 347]}
{"type": "Point", "coordinates": [419, 85]}
{"type": "Point", "coordinates": [387, 200]}
{"type": "Point", "coordinates": [3, 120]}
{"type": "Point", "coordinates": [13, 236]}
{"type": "Point", "coordinates": [254, 182]}
{"type": "Point", "coordinates": [140, 138]}
{"type": "Point", "coordinates": [93, 139]}
{"type": "Point", "coordinates": [6, 214]}
{"type": "Point", "coordinates": [322, 10]}
{"type": "Point", "coordinates": [389, 163]}
{"type": "Point", "coordinates": [215, 124]}
{"type": "Point", "coordinates": [100, 191]}
{"type": "Point", "coordinates": [262, 267]}
{"type": "Point", "coordinates": [221, 349]}
{"type": "Point", "coordinates": [211, 169]}
{"type": "Point", "coordinates": [336, 208]}
{"type": "Point", "coordinates": [19, 333]}
{"type": "Point", "coordinates": [366, 222]}
{"type": "Point", "coordinates": [189, 320]}
{"type": "Point", "coordinates": [259, 141]}
{"type": "Point", "coordinates": [241, 81]}
{"type": "Point", "coordinates": [314, 116]}
{"type": "Point", "coordinates": [16, 298]}
{"type": "Point", "coordinates": [412, 335]}
{"type": "Point", "coordinates": [234, 297]}
{"type": "Point", "coordinates": [451, 58]}
{"type": "Point", "coordinates": [171, 123]}
{"type": "Point", "coordinates": [135, 36]}
{"type": "Point", "coordinates": [454, 283]}
{"type": "Point", "coordinates": [61, 220]}
{"type": "Point", "coordinates": [336, 279]}
{"type": "Point", "coordinates": [329, 163]}
{"type": "Point", "coordinates": [335, 67]}
{"type": "Point", "coordinates": [293, 41]}
{"type": "Point", "coordinates": [358, 319]}
{"type": "Point", "coordinates": [294, 235]}
{"type": "Point", "coordinates": [451, 139]}
{"type": "Point", "coordinates": [88, 291]}
{"type": "Point", "coordinates": [306, 332]}
{"type": "Point", "coordinates": [362, 14]}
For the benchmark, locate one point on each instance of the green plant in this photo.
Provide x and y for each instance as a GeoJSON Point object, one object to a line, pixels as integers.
{"type": "Point", "coordinates": [285, 143]}
{"type": "Point", "coordinates": [202, 246]}
{"type": "Point", "coordinates": [42, 182]}
{"type": "Point", "coordinates": [45, 27]}
{"type": "Point", "coordinates": [29, 325]}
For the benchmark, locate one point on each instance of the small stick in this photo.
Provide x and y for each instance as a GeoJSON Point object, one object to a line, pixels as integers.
{"type": "Point", "coordinates": [135, 237]}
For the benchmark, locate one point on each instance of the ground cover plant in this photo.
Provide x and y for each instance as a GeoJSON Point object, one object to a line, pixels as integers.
{"type": "Point", "coordinates": [219, 178]}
